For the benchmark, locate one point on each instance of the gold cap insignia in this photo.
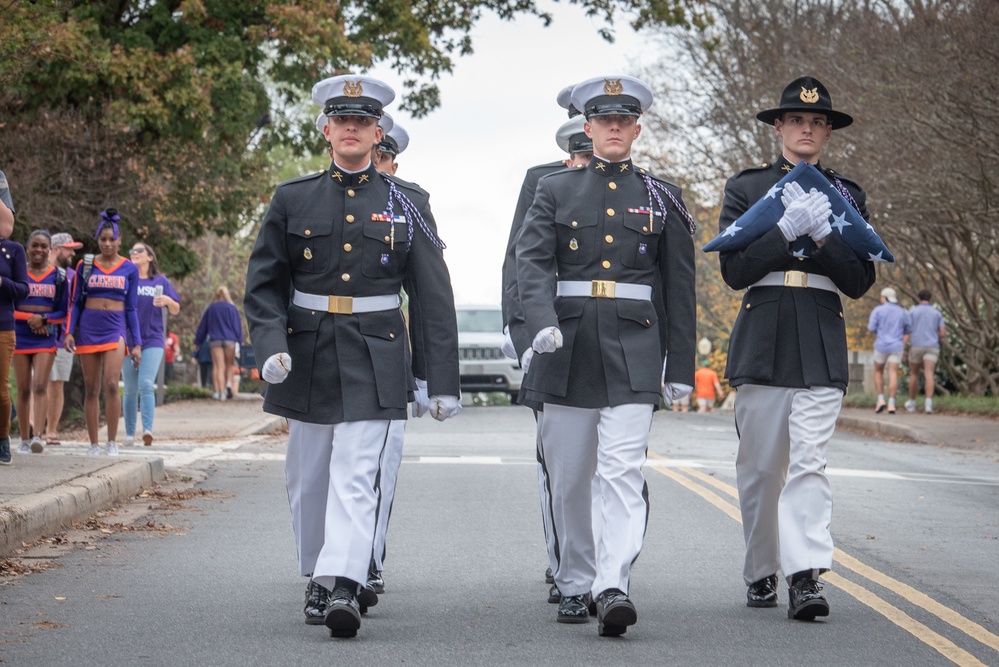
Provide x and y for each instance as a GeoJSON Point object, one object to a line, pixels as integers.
{"type": "Point", "coordinates": [573, 245]}
{"type": "Point", "coordinates": [352, 89]}
{"type": "Point", "coordinates": [809, 96]}
{"type": "Point", "coordinates": [307, 254]}
{"type": "Point", "coordinates": [613, 86]}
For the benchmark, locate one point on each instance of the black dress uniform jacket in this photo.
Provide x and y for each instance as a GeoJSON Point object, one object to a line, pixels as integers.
{"type": "Point", "coordinates": [330, 234]}
{"type": "Point", "coordinates": [594, 223]}
{"type": "Point", "coordinates": [513, 311]}
{"type": "Point", "coordinates": [789, 336]}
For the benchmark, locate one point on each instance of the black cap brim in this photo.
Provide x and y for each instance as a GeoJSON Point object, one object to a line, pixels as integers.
{"type": "Point", "coordinates": [838, 119]}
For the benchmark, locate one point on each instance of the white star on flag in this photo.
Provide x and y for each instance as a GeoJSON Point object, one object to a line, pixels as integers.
{"type": "Point", "coordinates": [799, 253]}
{"type": "Point", "coordinates": [839, 222]}
{"type": "Point", "coordinates": [876, 258]}
{"type": "Point", "coordinates": [732, 230]}
{"type": "Point", "coordinates": [772, 192]}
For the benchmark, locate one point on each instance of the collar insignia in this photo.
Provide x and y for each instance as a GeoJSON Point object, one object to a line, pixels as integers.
{"type": "Point", "coordinates": [337, 175]}
{"type": "Point", "coordinates": [602, 166]}
{"type": "Point", "coordinates": [624, 167]}
{"type": "Point", "coordinates": [352, 89]}
{"type": "Point", "coordinates": [809, 96]}
{"type": "Point", "coordinates": [363, 179]}
{"type": "Point", "coordinates": [786, 168]}
{"type": "Point", "coordinates": [613, 86]}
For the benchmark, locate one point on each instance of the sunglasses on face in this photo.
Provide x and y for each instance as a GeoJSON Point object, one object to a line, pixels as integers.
{"type": "Point", "coordinates": [136, 251]}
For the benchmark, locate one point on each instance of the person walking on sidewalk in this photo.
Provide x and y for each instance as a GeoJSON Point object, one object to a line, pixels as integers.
{"type": "Point", "coordinates": [927, 330]}
{"type": "Point", "coordinates": [323, 308]}
{"type": "Point", "coordinates": [13, 288]}
{"type": "Point", "coordinates": [220, 323]}
{"type": "Point", "coordinates": [60, 257]}
{"type": "Point", "coordinates": [788, 356]}
{"type": "Point", "coordinates": [707, 387]}
{"type": "Point", "coordinates": [892, 325]}
{"type": "Point", "coordinates": [44, 309]}
{"type": "Point", "coordinates": [154, 293]}
{"type": "Point", "coordinates": [103, 327]}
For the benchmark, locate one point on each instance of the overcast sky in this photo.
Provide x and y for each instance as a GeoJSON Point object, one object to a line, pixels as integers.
{"type": "Point", "coordinates": [498, 118]}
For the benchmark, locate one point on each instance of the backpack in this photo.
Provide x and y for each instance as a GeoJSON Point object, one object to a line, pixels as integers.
{"type": "Point", "coordinates": [60, 288]}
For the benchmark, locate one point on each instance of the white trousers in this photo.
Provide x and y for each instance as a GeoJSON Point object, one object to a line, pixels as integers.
{"type": "Point", "coordinates": [784, 494]}
{"type": "Point", "coordinates": [331, 472]}
{"type": "Point", "coordinates": [391, 460]}
{"type": "Point", "coordinates": [610, 443]}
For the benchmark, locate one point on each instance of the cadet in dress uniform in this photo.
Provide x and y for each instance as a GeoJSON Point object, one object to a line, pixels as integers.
{"type": "Point", "coordinates": [605, 255]}
{"type": "Point", "coordinates": [787, 357]}
{"type": "Point", "coordinates": [572, 139]}
{"type": "Point", "coordinates": [322, 303]}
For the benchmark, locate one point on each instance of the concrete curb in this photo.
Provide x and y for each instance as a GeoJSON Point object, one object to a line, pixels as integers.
{"type": "Point", "coordinates": [47, 511]}
{"type": "Point", "coordinates": [876, 427]}
{"type": "Point", "coordinates": [268, 425]}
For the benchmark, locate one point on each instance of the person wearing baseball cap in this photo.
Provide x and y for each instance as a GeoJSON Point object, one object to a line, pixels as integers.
{"type": "Point", "coordinates": [60, 258]}
{"type": "Point", "coordinates": [787, 354]}
{"type": "Point", "coordinates": [892, 326]}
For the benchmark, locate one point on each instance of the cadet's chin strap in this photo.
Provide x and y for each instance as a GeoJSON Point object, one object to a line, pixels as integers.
{"type": "Point", "coordinates": [411, 214]}
{"type": "Point", "coordinates": [653, 187]}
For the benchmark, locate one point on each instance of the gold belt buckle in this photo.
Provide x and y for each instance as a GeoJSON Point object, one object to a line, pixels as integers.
{"type": "Point", "coordinates": [602, 289]}
{"type": "Point", "coordinates": [341, 305]}
{"type": "Point", "coordinates": [795, 279]}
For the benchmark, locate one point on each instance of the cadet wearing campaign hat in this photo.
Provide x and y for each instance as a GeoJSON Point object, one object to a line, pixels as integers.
{"type": "Point", "coordinates": [323, 307]}
{"type": "Point", "coordinates": [616, 243]}
{"type": "Point", "coordinates": [788, 355]}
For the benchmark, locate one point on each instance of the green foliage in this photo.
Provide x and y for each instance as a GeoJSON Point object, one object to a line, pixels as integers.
{"type": "Point", "coordinates": [949, 403]}
{"type": "Point", "coordinates": [183, 392]}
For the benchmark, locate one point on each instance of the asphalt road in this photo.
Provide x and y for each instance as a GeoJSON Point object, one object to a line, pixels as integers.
{"type": "Point", "coordinates": [212, 581]}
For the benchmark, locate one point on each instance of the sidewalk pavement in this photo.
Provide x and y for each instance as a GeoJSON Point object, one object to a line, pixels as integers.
{"type": "Point", "coordinates": [39, 493]}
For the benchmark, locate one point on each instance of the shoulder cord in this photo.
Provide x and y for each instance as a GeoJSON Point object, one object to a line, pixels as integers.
{"type": "Point", "coordinates": [411, 213]}
{"type": "Point", "coordinates": [652, 186]}
{"type": "Point", "coordinates": [846, 193]}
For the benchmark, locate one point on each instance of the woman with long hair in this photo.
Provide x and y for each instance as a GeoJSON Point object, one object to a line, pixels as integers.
{"type": "Point", "coordinates": [154, 294]}
{"type": "Point", "coordinates": [220, 323]}
{"type": "Point", "coordinates": [36, 317]}
{"type": "Point", "coordinates": [102, 326]}
{"type": "Point", "coordinates": [13, 288]}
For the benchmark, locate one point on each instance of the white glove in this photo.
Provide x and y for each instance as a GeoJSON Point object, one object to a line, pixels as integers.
{"type": "Point", "coordinates": [507, 347]}
{"type": "Point", "coordinates": [421, 402]}
{"type": "Point", "coordinates": [797, 218]}
{"type": "Point", "coordinates": [548, 339]}
{"type": "Point", "coordinates": [674, 391]}
{"type": "Point", "coordinates": [443, 407]}
{"type": "Point", "coordinates": [821, 210]}
{"type": "Point", "coordinates": [276, 368]}
{"type": "Point", "coordinates": [525, 361]}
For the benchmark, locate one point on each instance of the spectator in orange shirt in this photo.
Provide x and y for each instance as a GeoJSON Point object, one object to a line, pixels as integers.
{"type": "Point", "coordinates": [706, 387]}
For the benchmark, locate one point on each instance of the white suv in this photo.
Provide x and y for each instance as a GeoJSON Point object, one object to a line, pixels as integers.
{"type": "Point", "coordinates": [481, 362]}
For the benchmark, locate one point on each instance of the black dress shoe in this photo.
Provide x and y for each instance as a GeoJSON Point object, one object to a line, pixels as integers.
{"type": "Point", "coordinates": [804, 600]}
{"type": "Point", "coordinates": [316, 599]}
{"type": "Point", "coordinates": [574, 609]}
{"type": "Point", "coordinates": [549, 577]}
{"type": "Point", "coordinates": [343, 614]}
{"type": "Point", "coordinates": [554, 595]}
{"type": "Point", "coordinates": [375, 582]}
{"type": "Point", "coordinates": [762, 593]}
{"type": "Point", "coordinates": [615, 612]}
{"type": "Point", "coordinates": [367, 598]}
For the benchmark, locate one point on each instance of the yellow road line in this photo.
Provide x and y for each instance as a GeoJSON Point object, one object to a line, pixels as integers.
{"type": "Point", "coordinates": [941, 644]}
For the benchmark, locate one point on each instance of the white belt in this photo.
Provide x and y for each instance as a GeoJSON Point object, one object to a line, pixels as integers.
{"type": "Point", "coordinates": [603, 289]}
{"type": "Point", "coordinates": [346, 305]}
{"type": "Point", "coordinates": [796, 279]}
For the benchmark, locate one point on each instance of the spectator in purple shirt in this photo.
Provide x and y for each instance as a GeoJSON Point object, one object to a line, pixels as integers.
{"type": "Point", "coordinates": [927, 329]}
{"type": "Point", "coordinates": [154, 294]}
{"type": "Point", "coordinates": [220, 323]}
{"type": "Point", "coordinates": [892, 325]}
